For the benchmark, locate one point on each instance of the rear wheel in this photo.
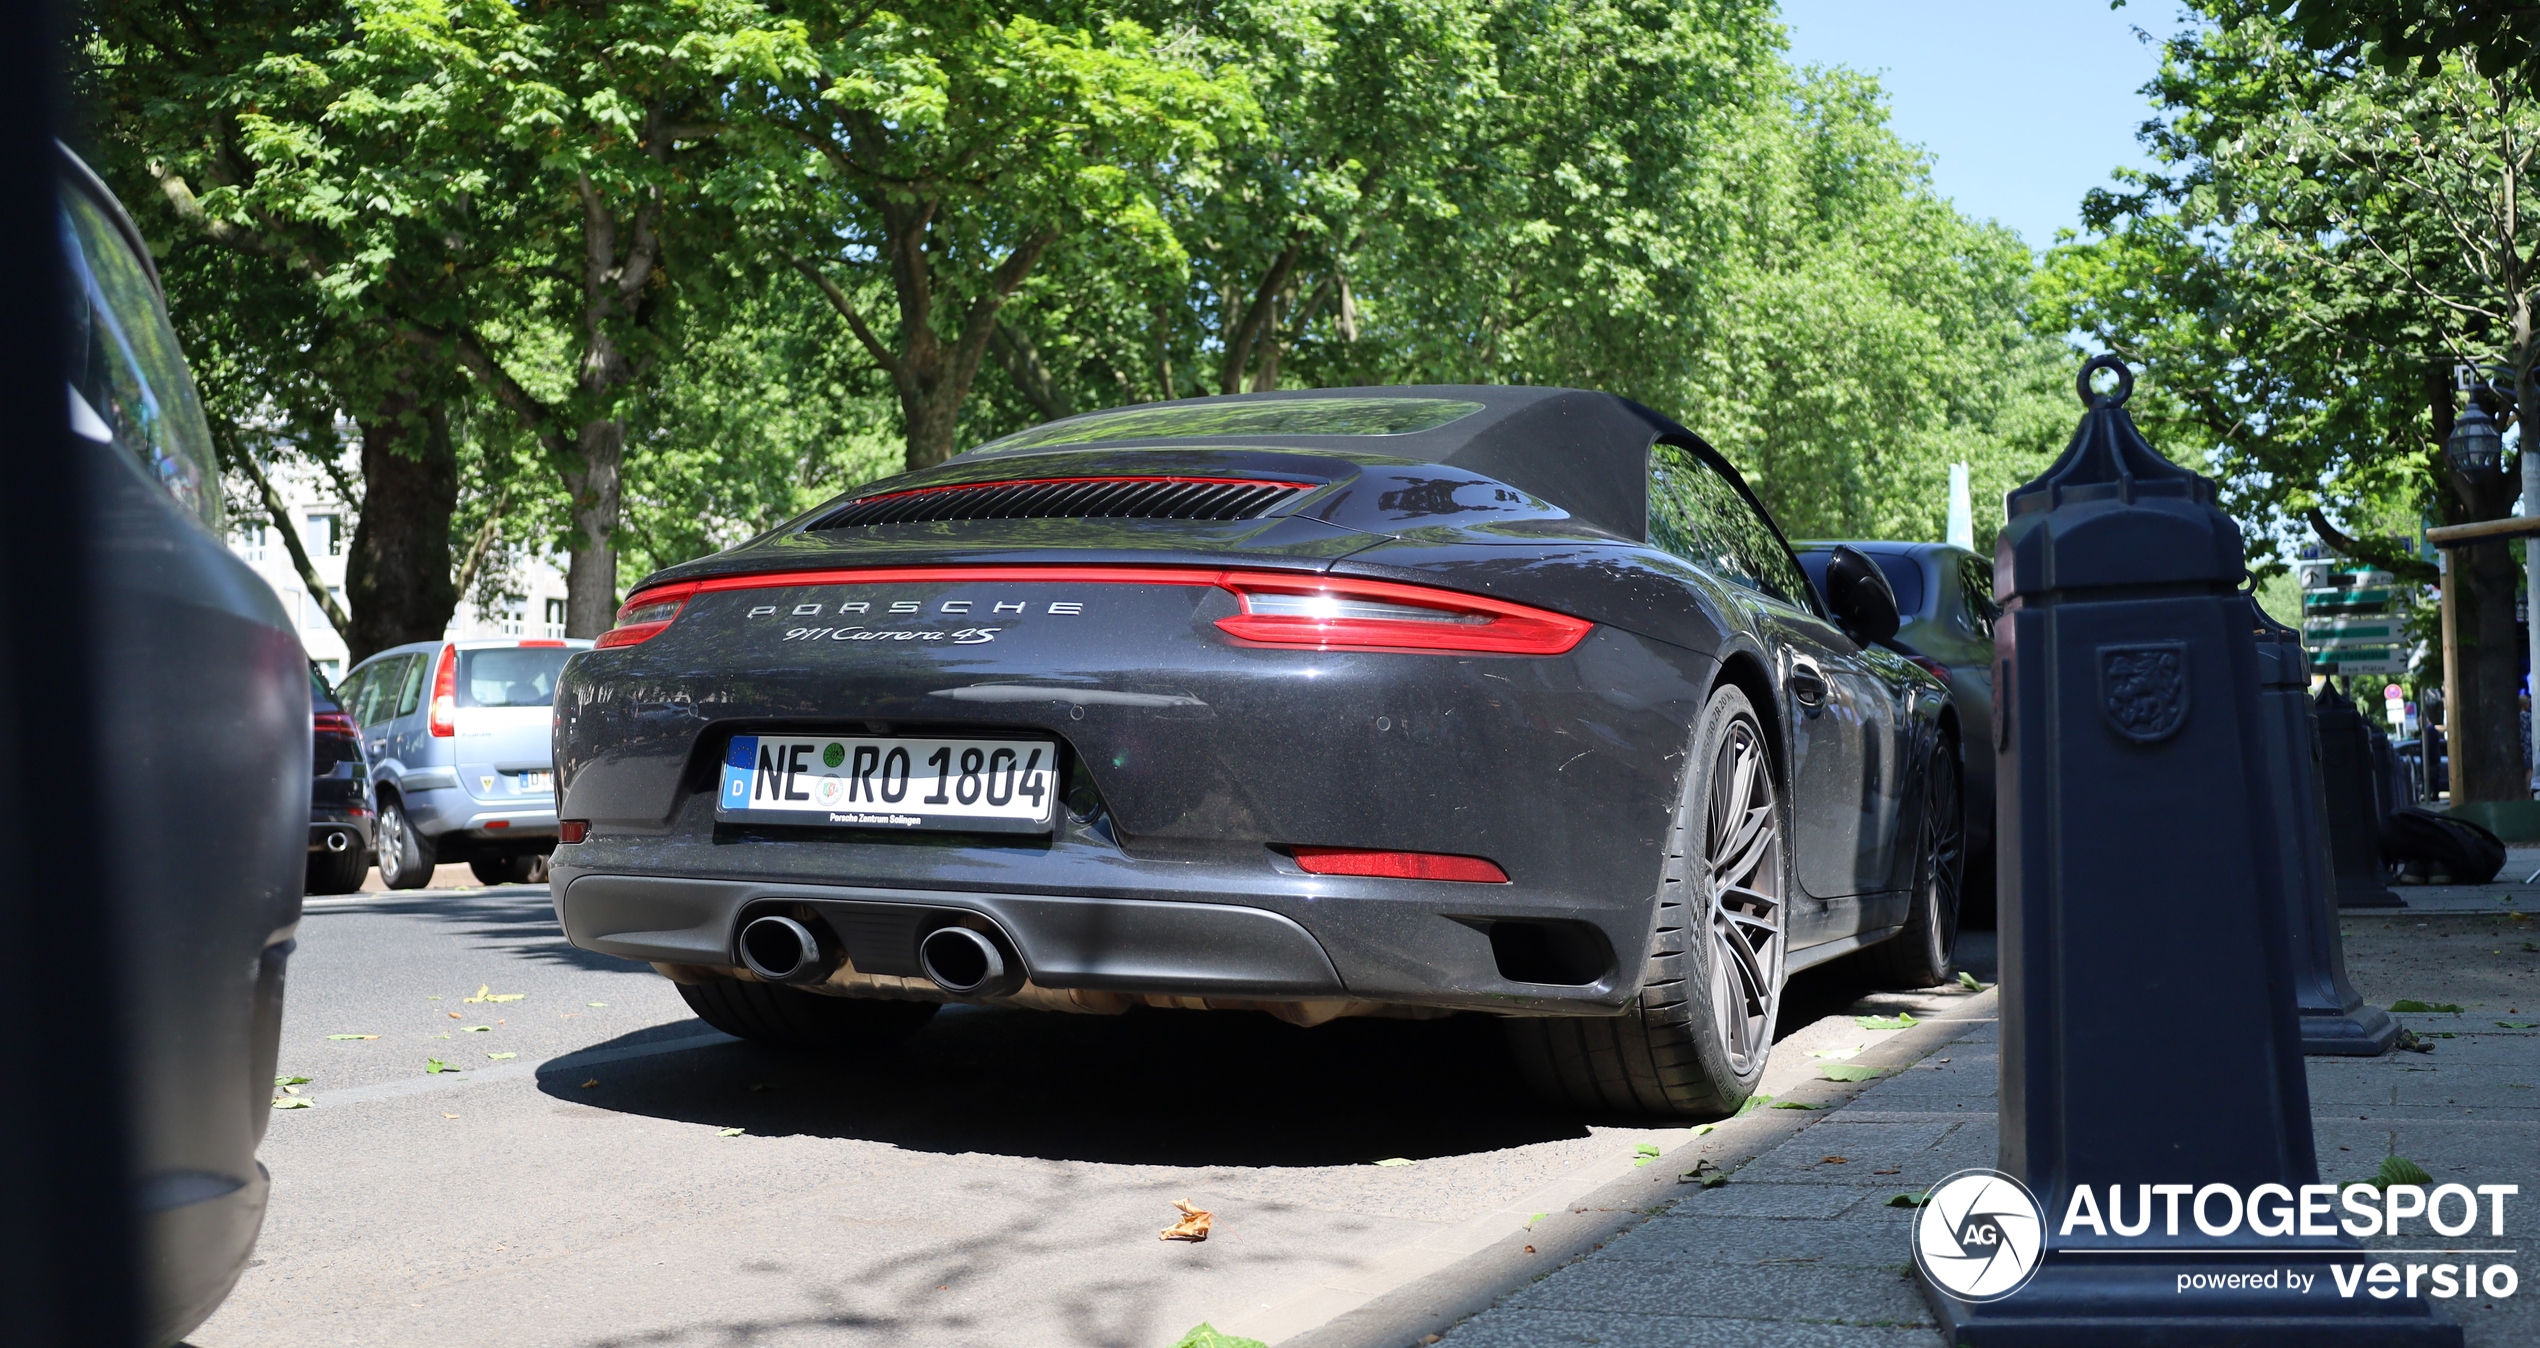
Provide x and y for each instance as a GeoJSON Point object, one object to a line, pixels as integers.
{"type": "Point", "coordinates": [1926, 952]}
{"type": "Point", "coordinates": [770, 1013]}
{"type": "Point", "coordinates": [1697, 1040]}
{"type": "Point", "coordinates": [337, 872]}
{"type": "Point", "coordinates": [405, 856]}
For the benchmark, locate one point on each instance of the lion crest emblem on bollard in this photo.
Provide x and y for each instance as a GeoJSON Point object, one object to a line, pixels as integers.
{"type": "Point", "coordinates": [2143, 689]}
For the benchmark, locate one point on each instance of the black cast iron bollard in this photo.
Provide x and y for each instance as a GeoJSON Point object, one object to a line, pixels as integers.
{"type": "Point", "coordinates": [2148, 1034]}
{"type": "Point", "coordinates": [2350, 785]}
{"type": "Point", "coordinates": [2334, 1017]}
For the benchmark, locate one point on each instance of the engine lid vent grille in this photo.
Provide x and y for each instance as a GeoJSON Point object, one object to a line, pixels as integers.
{"type": "Point", "coordinates": [1163, 498]}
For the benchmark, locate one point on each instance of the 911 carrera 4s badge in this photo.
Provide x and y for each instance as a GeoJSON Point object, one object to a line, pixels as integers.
{"type": "Point", "coordinates": [978, 786]}
{"type": "Point", "coordinates": [2143, 689]}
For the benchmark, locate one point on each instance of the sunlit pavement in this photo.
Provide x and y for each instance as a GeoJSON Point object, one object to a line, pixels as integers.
{"type": "Point", "coordinates": [593, 1166]}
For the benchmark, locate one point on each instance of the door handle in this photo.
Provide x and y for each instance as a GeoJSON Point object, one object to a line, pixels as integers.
{"type": "Point", "coordinates": [1808, 684]}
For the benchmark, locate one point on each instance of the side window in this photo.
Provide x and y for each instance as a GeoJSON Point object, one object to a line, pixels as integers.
{"type": "Point", "coordinates": [129, 385]}
{"type": "Point", "coordinates": [1975, 578]}
{"type": "Point", "coordinates": [410, 695]}
{"type": "Point", "coordinates": [1696, 514]}
{"type": "Point", "coordinates": [360, 693]}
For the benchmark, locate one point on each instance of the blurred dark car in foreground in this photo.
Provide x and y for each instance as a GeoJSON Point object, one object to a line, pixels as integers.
{"type": "Point", "coordinates": [203, 706]}
{"type": "Point", "coordinates": [340, 804]}
{"type": "Point", "coordinates": [1944, 597]}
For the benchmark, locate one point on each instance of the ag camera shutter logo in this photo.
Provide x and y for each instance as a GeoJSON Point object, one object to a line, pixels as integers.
{"type": "Point", "coordinates": [1979, 1235]}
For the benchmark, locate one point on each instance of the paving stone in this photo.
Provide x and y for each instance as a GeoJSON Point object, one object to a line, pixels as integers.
{"type": "Point", "coordinates": [1730, 1285]}
{"type": "Point", "coordinates": [1875, 1240]}
{"type": "Point", "coordinates": [1819, 1202]}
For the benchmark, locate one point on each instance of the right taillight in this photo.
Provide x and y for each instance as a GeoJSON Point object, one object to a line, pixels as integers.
{"type": "Point", "coordinates": [1398, 865]}
{"type": "Point", "coordinates": [645, 615]}
{"type": "Point", "coordinates": [1328, 614]}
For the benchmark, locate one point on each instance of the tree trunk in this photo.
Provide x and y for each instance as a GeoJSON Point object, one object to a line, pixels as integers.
{"type": "Point", "coordinates": [397, 577]}
{"type": "Point", "coordinates": [2486, 739]}
{"type": "Point", "coordinates": [590, 581]}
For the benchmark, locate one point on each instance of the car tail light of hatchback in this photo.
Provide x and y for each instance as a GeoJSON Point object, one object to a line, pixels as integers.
{"type": "Point", "coordinates": [334, 723]}
{"type": "Point", "coordinates": [1369, 615]}
{"type": "Point", "coordinates": [1398, 865]}
{"type": "Point", "coordinates": [645, 615]}
{"type": "Point", "coordinates": [445, 694]}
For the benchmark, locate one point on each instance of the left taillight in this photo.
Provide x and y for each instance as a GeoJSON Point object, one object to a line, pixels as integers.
{"type": "Point", "coordinates": [445, 694]}
{"type": "Point", "coordinates": [334, 723]}
{"type": "Point", "coordinates": [1366, 615]}
{"type": "Point", "coordinates": [645, 615]}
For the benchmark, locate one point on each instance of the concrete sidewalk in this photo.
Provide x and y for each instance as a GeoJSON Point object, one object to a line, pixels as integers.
{"type": "Point", "coordinates": [1800, 1247]}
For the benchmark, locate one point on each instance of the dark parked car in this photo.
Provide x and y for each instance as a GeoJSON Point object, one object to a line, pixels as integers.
{"type": "Point", "coordinates": [1373, 701]}
{"type": "Point", "coordinates": [340, 803]}
{"type": "Point", "coordinates": [459, 735]}
{"type": "Point", "coordinates": [203, 697]}
{"type": "Point", "coordinates": [1944, 597]}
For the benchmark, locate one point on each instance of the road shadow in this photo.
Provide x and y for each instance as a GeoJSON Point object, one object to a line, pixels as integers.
{"type": "Point", "coordinates": [513, 921]}
{"type": "Point", "coordinates": [1151, 1087]}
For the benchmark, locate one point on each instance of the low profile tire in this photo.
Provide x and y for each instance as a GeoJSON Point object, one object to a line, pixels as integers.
{"type": "Point", "coordinates": [338, 872]}
{"type": "Point", "coordinates": [521, 870]}
{"type": "Point", "coordinates": [1696, 1042]}
{"type": "Point", "coordinates": [1925, 953]}
{"type": "Point", "coordinates": [405, 856]}
{"type": "Point", "coordinates": [768, 1013]}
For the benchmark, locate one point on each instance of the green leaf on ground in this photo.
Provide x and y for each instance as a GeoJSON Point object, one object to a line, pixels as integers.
{"type": "Point", "coordinates": [1704, 1173]}
{"type": "Point", "coordinates": [1968, 981]}
{"type": "Point", "coordinates": [2432, 1008]}
{"type": "Point", "coordinates": [1909, 1200]}
{"type": "Point", "coordinates": [1396, 1160]}
{"type": "Point", "coordinates": [435, 1067]}
{"type": "Point", "coordinates": [1205, 1335]}
{"type": "Point", "coordinates": [1701, 1128]}
{"type": "Point", "coordinates": [485, 993]}
{"type": "Point", "coordinates": [1530, 1221]}
{"type": "Point", "coordinates": [1645, 1152]}
{"type": "Point", "coordinates": [2401, 1170]}
{"type": "Point", "coordinates": [1836, 1054]}
{"type": "Point", "coordinates": [1844, 1071]}
{"type": "Point", "coordinates": [728, 1132]}
{"type": "Point", "coordinates": [1795, 1104]}
{"type": "Point", "coordinates": [1753, 1103]}
{"type": "Point", "coordinates": [291, 1081]}
{"type": "Point", "coordinates": [1902, 1020]}
{"type": "Point", "coordinates": [477, 1029]}
{"type": "Point", "coordinates": [498, 1057]}
{"type": "Point", "coordinates": [352, 1036]}
{"type": "Point", "coordinates": [293, 1102]}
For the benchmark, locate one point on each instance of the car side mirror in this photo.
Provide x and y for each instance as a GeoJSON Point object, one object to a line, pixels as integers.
{"type": "Point", "coordinates": [1858, 594]}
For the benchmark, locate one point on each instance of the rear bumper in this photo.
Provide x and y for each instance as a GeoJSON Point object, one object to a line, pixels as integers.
{"type": "Point", "coordinates": [1404, 942]}
{"type": "Point", "coordinates": [196, 1231]}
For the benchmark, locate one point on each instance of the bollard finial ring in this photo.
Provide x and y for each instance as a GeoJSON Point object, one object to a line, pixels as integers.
{"type": "Point", "coordinates": [2125, 382]}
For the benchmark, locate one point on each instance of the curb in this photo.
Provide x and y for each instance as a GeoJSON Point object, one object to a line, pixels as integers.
{"type": "Point", "coordinates": [1405, 1316]}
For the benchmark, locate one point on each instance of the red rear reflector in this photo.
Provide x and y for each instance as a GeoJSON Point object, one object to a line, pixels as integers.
{"type": "Point", "coordinates": [445, 694]}
{"type": "Point", "coordinates": [572, 830]}
{"type": "Point", "coordinates": [498, 823]}
{"type": "Point", "coordinates": [1398, 865]}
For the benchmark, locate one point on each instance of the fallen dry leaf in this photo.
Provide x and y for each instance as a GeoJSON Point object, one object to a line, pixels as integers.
{"type": "Point", "coordinates": [449, 1116]}
{"type": "Point", "coordinates": [589, 1084]}
{"type": "Point", "coordinates": [1530, 1249]}
{"type": "Point", "coordinates": [1837, 1160]}
{"type": "Point", "coordinates": [1193, 1226]}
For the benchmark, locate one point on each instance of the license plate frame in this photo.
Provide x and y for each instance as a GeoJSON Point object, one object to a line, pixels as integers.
{"type": "Point", "coordinates": [823, 781]}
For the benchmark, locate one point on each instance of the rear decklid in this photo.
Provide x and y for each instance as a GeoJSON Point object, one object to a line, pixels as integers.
{"type": "Point", "coordinates": [504, 719]}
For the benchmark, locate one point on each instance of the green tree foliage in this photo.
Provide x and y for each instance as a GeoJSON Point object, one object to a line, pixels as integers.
{"type": "Point", "coordinates": [2325, 238]}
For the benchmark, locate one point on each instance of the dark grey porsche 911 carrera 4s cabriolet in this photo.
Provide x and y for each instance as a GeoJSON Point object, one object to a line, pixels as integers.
{"type": "Point", "coordinates": [1396, 701]}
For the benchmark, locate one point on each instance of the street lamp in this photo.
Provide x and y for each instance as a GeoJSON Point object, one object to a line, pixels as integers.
{"type": "Point", "coordinates": [2474, 447]}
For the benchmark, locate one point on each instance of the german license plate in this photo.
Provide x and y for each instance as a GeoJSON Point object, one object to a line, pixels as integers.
{"type": "Point", "coordinates": [992, 786]}
{"type": "Point", "coordinates": [536, 783]}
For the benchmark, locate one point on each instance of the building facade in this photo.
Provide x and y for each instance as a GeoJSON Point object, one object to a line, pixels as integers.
{"type": "Point", "coordinates": [527, 601]}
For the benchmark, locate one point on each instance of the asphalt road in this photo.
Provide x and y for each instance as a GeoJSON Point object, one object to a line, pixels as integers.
{"type": "Point", "coordinates": [575, 1177]}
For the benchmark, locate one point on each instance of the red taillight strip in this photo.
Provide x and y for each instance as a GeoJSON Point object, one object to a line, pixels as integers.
{"type": "Point", "coordinates": [1064, 481]}
{"type": "Point", "coordinates": [1507, 629]}
{"type": "Point", "coordinates": [1398, 865]}
{"type": "Point", "coordinates": [445, 694]}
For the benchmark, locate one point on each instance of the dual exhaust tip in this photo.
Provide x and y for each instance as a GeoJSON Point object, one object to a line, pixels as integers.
{"type": "Point", "coordinates": [959, 960]}
{"type": "Point", "coordinates": [339, 841]}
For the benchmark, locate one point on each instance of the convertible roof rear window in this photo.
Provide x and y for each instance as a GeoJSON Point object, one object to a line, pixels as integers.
{"type": "Point", "coordinates": [1288, 416]}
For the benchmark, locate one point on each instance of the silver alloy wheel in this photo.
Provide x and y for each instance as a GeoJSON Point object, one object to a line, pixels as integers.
{"type": "Point", "coordinates": [392, 844]}
{"type": "Point", "coordinates": [1743, 861]}
{"type": "Point", "coordinates": [1944, 855]}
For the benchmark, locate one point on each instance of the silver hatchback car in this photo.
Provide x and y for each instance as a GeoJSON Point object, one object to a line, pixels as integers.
{"type": "Point", "coordinates": [461, 755]}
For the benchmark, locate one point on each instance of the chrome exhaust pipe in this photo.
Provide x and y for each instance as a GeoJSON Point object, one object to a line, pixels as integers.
{"type": "Point", "coordinates": [967, 963]}
{"type": "Point", "coordinates": [781, 950]}
{"type": "Point", "coordinates": [339, 842]}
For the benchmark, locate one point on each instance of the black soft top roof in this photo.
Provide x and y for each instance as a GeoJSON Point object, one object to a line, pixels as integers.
{"type": "Point", "coordinates": [1587, 453]}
